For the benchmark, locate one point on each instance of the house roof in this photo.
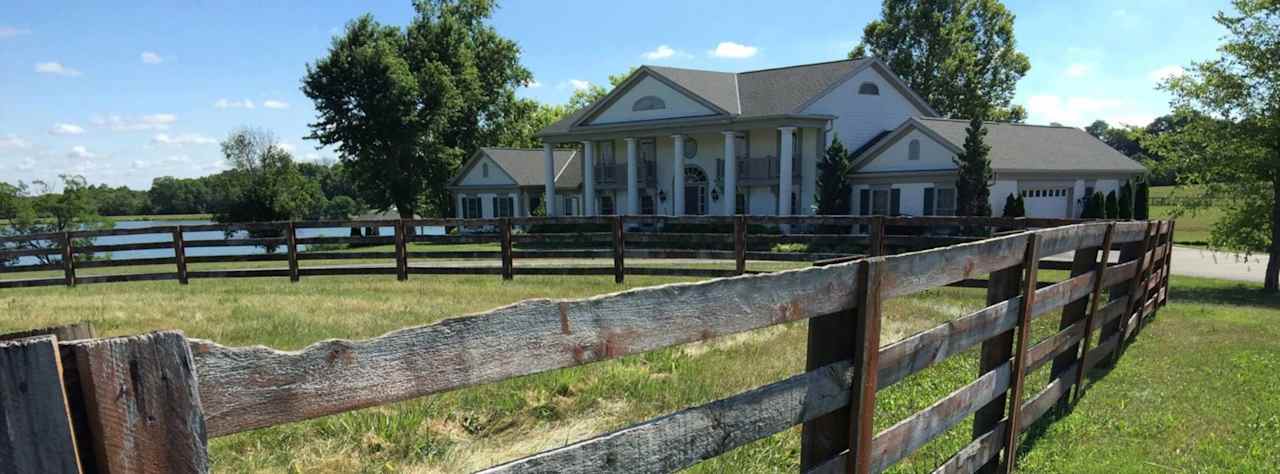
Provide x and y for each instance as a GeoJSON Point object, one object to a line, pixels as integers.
{"type": "Point", "coordinates": [746, 95]}
{"type": "Point", "coordinates": [525, 166]}
{"type": "Point", "coordinates": [1015, 147]}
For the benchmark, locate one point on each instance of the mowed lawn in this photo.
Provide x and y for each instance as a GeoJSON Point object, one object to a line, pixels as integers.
{"type": "Point", "coordinates": [1195, 393]}
{"type": "Point", "coordinates": [1193, 227]}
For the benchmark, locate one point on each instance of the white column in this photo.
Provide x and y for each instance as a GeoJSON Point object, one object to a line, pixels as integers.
{"type": "Point", "coordinates": [730, 198]}
{"type": "Point", "coordinates": [809, 156]}
{"type": "Point", "coordinates": [549, 166]}
{"type": "Point", "coordinates": [588, 179]}
{"type": "Point", "coordinates": [677, 176]}
{"type": "Point", "coordinates": [784, 170]}
{"type": "Point", "coordinates": [633, 190]}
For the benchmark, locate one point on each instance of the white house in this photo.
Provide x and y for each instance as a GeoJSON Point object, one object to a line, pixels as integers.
{"type": "Point", "coordinates": [657, 144]}
{"type": "Point", "coordinates": [510, 182]}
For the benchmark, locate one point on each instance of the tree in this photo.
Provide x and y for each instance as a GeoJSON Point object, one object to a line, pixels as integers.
{"type": "Point", "coordinates": [1013, 206]}
{"type": "Point", "coordinates": [1112, 206]}
{"type": "Point", "coordinates": [960, 56]}
{"type": "Point", "coordinates": [47, 212]}
{"type": "Point", "coordinates": [1094, 206]}
{"type": "Point", "coordinates": [1141, 197]}
{"type": "Point", "coordinates": [1231, 145]}
{"type": "Point", "coordinates": [403, 107]}
{"type": "Point", "coordinates": [169, 195]}
{"type": "Point", "coordinates": [264, 183]}
{"type": "Point", "coordinates": [833, 189]}
{"type": "Point", "coordinates": [973, 188]}
{"type": "Point", "coordinates": [1126, 201]}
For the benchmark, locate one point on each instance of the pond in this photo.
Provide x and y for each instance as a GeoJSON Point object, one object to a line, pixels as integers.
{"type": "Point", "coordinates": [207, 235]}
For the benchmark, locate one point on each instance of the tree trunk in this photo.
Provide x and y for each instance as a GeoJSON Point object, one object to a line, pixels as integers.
{"type": "Point", "coordinates": [1272, 282]}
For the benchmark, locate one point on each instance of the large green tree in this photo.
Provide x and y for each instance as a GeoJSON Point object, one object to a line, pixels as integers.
{"type": "Point", "coordinates": [1231, 145]}
{"type": "Point", "coordinates": [404, 106]}
{"type": "Point", "coordinates": [43, 210]}
{"type": "Point", "coordinates": [960, 55]}
{"type": "Point", "coordinates": [264, 183]}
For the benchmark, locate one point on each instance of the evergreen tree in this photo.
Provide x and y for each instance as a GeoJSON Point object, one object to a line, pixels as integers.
{"type": "Point", "coordinates": [1141, 209]}
{"type": "Point", "coordinates": [1113, 206]}
{"type": "Point", "coordinates": [973, 188]}
{"type": "Point", "coordinates": [833, 185]}
{"type": "Point", "coordinates": [1094, 206]}
{"type": "Point", "coordinates": [1126, 201]}
{"type": "Point", "coordinates": [1010, 206]}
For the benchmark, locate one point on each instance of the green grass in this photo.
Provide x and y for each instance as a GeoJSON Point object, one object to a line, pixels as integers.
{"type": "Point", "coordinates": [1193, 227]}
{"type": "Point", "coordinates": [1195, 393]}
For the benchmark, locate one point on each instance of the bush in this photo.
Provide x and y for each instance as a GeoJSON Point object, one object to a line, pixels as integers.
{"type": "Point", "coordinates": [1014, 206]}
{"type": "Point", "coordinates": [1126, 201]}
{"type": "Point", "coordinates": [1113, 206]}
{"type": "Point", "coordinates": [790, 248]}
{"type": "Point", "coordinates": [1141, 198]}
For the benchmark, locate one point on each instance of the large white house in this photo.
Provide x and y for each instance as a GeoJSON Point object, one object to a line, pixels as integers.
{"type": "Point", "coordinates": [657, 144]}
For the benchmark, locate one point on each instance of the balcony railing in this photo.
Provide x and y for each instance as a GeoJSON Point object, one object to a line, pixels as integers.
{"type": "Point", "coordinates": [616, 174]}
{"type": "Point", "coordinates": [760, 169]}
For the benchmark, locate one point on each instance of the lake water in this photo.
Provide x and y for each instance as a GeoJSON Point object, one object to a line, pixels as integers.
{"type": "Point", "coordinates": [208, 235]}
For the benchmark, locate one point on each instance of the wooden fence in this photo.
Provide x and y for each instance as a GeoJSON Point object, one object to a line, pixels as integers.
{"type": "Point", "coordinates": [150, 403]}
{"type": "Point", "coordinates": [620, 238]}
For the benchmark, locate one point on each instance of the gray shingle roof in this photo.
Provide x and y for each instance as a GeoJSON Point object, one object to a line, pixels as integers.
{"type": "Point", "coordinates": [525, 165]}
{"type": "Point", "coordinates": [765, 92]}
{"type": "Point", "coordinates": [1016, 147]}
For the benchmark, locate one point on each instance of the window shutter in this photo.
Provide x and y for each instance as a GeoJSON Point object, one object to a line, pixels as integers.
{"type": "Point", "coordinates": [895, 198]}
{"type": "Point", "coordinates": [864, 202]}
{"type": "Point", "coordinates": [928, 202]}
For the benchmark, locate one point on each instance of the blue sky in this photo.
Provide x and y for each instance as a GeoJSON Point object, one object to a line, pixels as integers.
{"type": "Point", "coordinates": [123, 92]}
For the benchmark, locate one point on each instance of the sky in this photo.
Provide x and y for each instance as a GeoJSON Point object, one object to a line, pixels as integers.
{"type": "Point", "coordinates": [124, 92]}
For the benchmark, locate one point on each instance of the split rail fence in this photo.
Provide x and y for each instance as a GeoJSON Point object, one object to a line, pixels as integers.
{"type": "Point", "coordinates": [150, 403]}
{"type": "Point", "coordinates": [626, 240]}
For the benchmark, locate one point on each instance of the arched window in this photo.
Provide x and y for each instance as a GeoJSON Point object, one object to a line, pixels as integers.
{"type": "Point", "coordinates": [648, 102]}
{"type": "Point", "coordinates": [913, 150]}
{"type": "Point", "coordinates": [484, 170]}
{"type": "Point", "coordinates": [868, 88]}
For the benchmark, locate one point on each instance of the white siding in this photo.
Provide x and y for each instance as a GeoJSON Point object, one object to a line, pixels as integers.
{"type": "Point", "coordinates": [1000, 191]}
{"type": "Point", "coordinates": [497, 177]}
{"type": "Point", "coordinates": [933, 156]}
{"type": "Point", "coordinates": [861, 117]}
{"type": "Point", "coordinates": [677, 104]}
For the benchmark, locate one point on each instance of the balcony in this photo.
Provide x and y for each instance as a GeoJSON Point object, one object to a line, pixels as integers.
{"type": "Point", "coordinates": [760, 170]}
{"type": "Point", "coordinates": [615, 174]}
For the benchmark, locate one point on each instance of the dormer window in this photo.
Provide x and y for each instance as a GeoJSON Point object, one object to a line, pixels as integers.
{"type": "Point", "coordinates": [913, 150]}
{"type": "Point", "coordinates": [868, 88]}
{"type": "Point", "coordinates": [484, 170]}
{"type": "Point", "coordinates": [648, 102]}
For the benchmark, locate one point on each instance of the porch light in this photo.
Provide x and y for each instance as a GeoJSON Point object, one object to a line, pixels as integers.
{"type": "Point", "coordinates": [662, 196]}
{"type": "Point", "coordinates": [715, 195]}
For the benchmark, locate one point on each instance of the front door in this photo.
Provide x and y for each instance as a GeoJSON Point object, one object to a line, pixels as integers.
{"type": "Point", "coordinates": [695, 191]}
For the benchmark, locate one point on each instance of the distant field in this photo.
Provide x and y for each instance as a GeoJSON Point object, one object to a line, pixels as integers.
{"type": "Point", "coordinates": [1192, 228]}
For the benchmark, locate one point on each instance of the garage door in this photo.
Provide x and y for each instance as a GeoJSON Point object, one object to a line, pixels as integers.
{"type": "Point", "coordinates": [1047, 202]}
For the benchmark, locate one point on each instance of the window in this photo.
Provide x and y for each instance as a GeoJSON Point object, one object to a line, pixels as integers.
{"type": "Point", "coordinates": [535, 202]}
{"type": "Point", "coordinates": [913, 150]}
{"type": "Point", "coordinates": [690, 148]}
{"type": "Point", "coordinates": [568, 207]}
{"type": "Point", "coordinates": [741, 145]}
{"type": "Point", "coordinates": [471, 208]}
{"type": "Point", "coordinates": [880, 202]}
{"type": "Point", "coordinates": [503, 206]}
{"type": "Point", "coordinates": [868, 88]}
{"type": "Point", "coordinates": [648, 102]}
{"type": "Point", "coordinates": [939, 201]}
{"type": "Point", "coordinates": [606, 205]}
{"type": "Point", "coordinates": [740, 203]}
{"type": "Point", "coordinates": [484, 170]}
{"type": "Point", "coordinates": [646, 205]}
{"type": "Point", "coordinates": [606, 167]}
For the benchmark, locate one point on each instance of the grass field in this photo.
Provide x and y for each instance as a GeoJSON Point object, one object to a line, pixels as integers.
{"type": "Point", "coordinates": [1193, 227]}
{"type": "Point", "coordinates": [1195, 393]}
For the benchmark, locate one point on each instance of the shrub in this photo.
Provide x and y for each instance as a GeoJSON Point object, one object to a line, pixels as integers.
{"type": "Point", "coordinates": [1113, 206]}
{"type": "Point", "coordinates": [795, 247]}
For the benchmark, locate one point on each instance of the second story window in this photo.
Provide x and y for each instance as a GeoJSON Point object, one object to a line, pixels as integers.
{"type": "Point", "coordinates": [868, 88]}
{"type": "Point", "coordinates": [648, 102]}
{"type": "Point", "coordinates": [484, 170]}
{"type": "Point", "coordinates": [913, 150]}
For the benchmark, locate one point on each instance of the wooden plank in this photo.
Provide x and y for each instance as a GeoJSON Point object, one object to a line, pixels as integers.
{"type": "Point", "coordinates": [1066, 239]}
{"type": "Point", "coordinates": [179, 255]}
{"type": "Point", "coordinates": [740, 244]}
{"type": "Point", "coordinates": [143, 403]}
{"type": "Point", "coordinates": [68, 260]}
{"type": "Point", "coordinates": [372, 240]}
{"type": "Point", "coordinates": [1060, 343]}
{"type": "Point", "coordinates": [347, 255]}
{"type": "Point", "coordinates": [38, 435]}
{"type": "Point", "coordinates": [484, 254]}
{"type": "Point", "coordinates": [253, 387]}
{"type": "Point", "coordinates": [693, 272]}
{"type": "Point", "coordinates": [996, 351]}
{"type": "Point", "coordinates": [29, 237]}
{"type": "Point", "coordinates": [467, 238]}
{"type": "Point", "coordinates": [335, 271]}
{"type": "Point", "coordinates": [268, 257]}
{"type": "Point", "coordinates": [1168, 265]}
{"type": "Point", "coordinates": [125, 262]}
{"type": "Point", "coordinates": [416, 270]}
{"type": "Point", "coordinates": [7, 254]}
{"type": "Point", "coordinates": [1138, 289]}
{"type": "Point", "coordinates": [126, 277]}
{"type": "Point", "coordinates": [828, 342]}
{"type": "Point", "coordinates": [1030, 263]}
{"type": "Point", "coordinates": [577, 271]}
{"type": "Point", "coordinates": [918, 271]}
{"type": "Point", "coordinates": [68, 332]}
{"type": "Point", "coordinates": [330, 224]}
{"type": "Point", "coordinates": [31, 268]}
{"type": "Point", "coordinates": [291, 236]}
{"type": "Point", "coordinates": [32, 282]}
{"type": "Point", "coordinates": [865, 363]}
{"type": "Point", "coordinates": [1085, 260]}
{"type": "Point", "coordinates": [908, 435]}
{"type": "Point", "coordinates": [682, 439]}
{"type": "Point", "coordinates": [123, 247]}
{"type": "Point", "coordinates": [560, 253]}
{"type": "Point", "coordinates": [250, 273]}
{"type": "Point", "coordinates": [243, 226]}
{"type": "Point", "coordinates": [160, 229]}
{"type": "Point", "coordinates": [506, 250]}
{"type": "Point", "coordinates": [248, 242]}
{"type": "Point", "coordinates": [1102, 269]}
{"type": "Point", "coordinates": [619, 250]}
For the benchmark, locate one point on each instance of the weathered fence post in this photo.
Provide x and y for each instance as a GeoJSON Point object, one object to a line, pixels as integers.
{"type": "Point", "coordinates": [1138, 289]}
{"type": "Point", "coordinates": [38, 434]}
{"type": "Point", "coordinates": [1031, 265]}
{"type": "Point", "coordinates": [68, 260]}
{"type": "Point", "coordinates": [180, 254]}
{"type": "Point", "coordinates": [1128, 252]}
{"type": "Point", "coordinates": [1168, 266]}
{"type": "Point", "coordinates": [619, 249]}
{"type": "Point", "coordinates": [143, 404]}
{"type": "Point", "coordinates": [292, 239]}
{"type": "Point", "coordinates": [1083, 261]}
{"type": "Point", "coordinates": [875, 237]}
{"type": "Point", "coordinates": [996, 351]}
{"type": "Point", "coordinates": [740, 243]}
{"type": "Point", "coordinates": [506, 249]}
{"type": "Point", "coordinates": [402, 252]}
{"type": "Point", "coordinates": [865, 364]}
{"type": "Point", "coordinates": [828, 342]}
{"type": "Point", "coordinates": [1095, 299]}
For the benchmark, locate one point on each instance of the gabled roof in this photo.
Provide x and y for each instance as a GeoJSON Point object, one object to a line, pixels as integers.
{"type": "Point", "coordinates": [772, 92]}
{"type": "Point", "coordinates": [525, 166]}
{"type": "Point", "coordinates": [1020, 147]}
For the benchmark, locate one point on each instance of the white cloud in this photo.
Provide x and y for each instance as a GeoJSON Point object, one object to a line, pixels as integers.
{"type": "Point", "coordinates": [149, 57]}
{"type": "Point", "coordinates": [129, 124]}
{"type": "Point", "coordinates": [10, 32]}
{"type": "Point", "coordinates": [12, 141]}
{"type": "Point", "coordinates": [27, 164]}
{"type": "Point", "coordinates": [533, 84]}
{"type": "Point", "coordinates": [182, 139]}
{"type": "Point", "coordinates": [1078, 70]}
{"type": "Point", "coordinates": [275, 104]}
{"type": "Point", "coordinates": [664, 52]}
{"type": "Point", "coordinates": [1165, 73]}
{"type": "Point", "coordinates": [1075, 111]}
{"type": "Point", "coordinates": [56, 68]}
{"type": "Point", "coordinates": [313, 156]}
{"type": "Point", "coordinates": [579, 84]}
{"type": "Point", "coordinates": [233, 104]}
{"type": "Point", "coordinates": [79, 151]}
{"type": "Point", "coordinates": [66, 129]}
{"type": "Point", "coordinates": [731, 50]}
{"type": "Point", "coordinates": [288, 147]}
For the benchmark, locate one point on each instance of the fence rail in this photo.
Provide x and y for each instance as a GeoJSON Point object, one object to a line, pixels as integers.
{"type": "Point", "coordinates": [734, 234]}
{"type": "Point", "coordinates": [201, 389]}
